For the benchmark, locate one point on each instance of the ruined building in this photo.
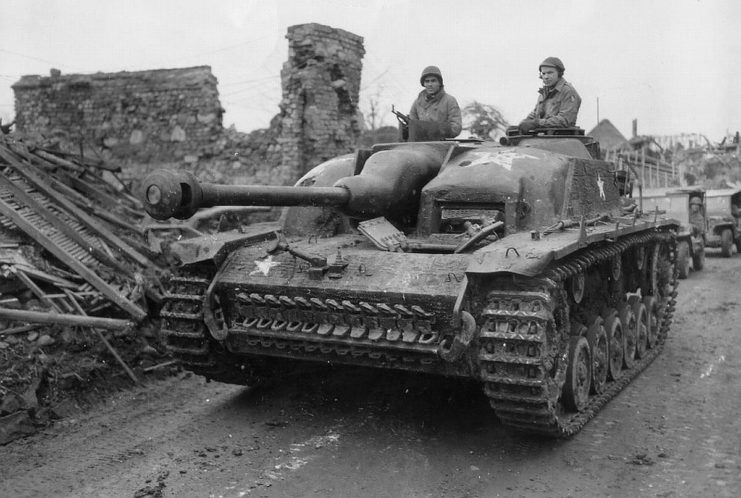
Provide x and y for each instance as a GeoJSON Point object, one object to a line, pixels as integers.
{"type": "Point", "coordinates": [175, 116]}
{"type": "Point", "coordinates": [145, 116]}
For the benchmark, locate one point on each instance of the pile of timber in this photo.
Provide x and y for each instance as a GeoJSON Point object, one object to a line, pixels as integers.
{"type": "Point", "coordinates": [72, 250]}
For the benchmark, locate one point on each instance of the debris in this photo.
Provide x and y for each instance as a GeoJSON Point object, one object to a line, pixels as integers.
{"type": "Point", "coordinates": [161, 365]}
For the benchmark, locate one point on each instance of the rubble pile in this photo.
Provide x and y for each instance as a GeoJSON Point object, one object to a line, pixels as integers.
{"type": "Point", "coordinates": [78, 284]}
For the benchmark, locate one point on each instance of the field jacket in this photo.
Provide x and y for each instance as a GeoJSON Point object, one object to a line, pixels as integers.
{"type": "Point", "coordinates": [442, 108]}
{"type": "Point", "coordinates": [557, 106]}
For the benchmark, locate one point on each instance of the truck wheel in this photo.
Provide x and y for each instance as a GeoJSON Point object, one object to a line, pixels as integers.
{"type": "Point", "coordinates": [726, 243]}
{"type": "Point", "coordinates": [698, 259]}
{"type": "Point", "coordinates": [683, 259]}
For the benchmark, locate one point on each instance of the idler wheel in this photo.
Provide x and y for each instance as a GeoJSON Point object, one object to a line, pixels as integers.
{"type": "Point", "coordinates": [630, 334]}
{"type": "Point", "coordinates": [578, 375]}
{"type": "Point", "coordinates": [616, 342]}
{"type": "Point", "coordinates": [597, 339]}
{"type": "Point", "coordinates": [653, 319]}
{"type": "Point", "coordinates": [639, 310]}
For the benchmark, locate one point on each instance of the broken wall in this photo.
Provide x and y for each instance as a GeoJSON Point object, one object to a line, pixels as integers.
{"type": "Point", "coordinates": [321, 87]}
{"type": "Point", "coordinates": [143, 116]}
{"type": "Point", "coordinates": [143, 119]}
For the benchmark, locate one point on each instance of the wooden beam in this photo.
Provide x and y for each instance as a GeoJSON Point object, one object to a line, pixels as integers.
{"type": "Point", "coordinates": [65, 319]}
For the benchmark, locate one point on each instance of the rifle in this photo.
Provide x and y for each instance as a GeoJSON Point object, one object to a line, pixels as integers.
{"type": "Point", "coordinates": [403, 118]}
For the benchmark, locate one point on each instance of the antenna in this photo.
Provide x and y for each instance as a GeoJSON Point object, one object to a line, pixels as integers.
{"type": "Point", "coordinates": [597, 110]}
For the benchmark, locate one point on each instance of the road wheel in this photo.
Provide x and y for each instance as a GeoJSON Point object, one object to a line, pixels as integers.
{"type": "Point", "coordinates": [698, 259]}
{"type": "Point", "coordinates": [653, 320]}
{"type": "Point", "coordinates": [683, 259]}
{"type": "Point", "coordinates": [578, 375]}
{"type": "Point", "coordinates": [726, 243]}
{"type": "Point", "coordinates": [639, 310]}
{"type": "Point", "coordinates": [597, 339]}
{"type": "Point", "coordinates": [616, 341]}
{"type": "Point", "coordinates": [630, 335]}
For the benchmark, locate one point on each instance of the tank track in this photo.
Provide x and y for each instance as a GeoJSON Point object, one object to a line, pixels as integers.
{"type": "Point", "coordinates": [522, 380]}
{"type": "Point", "coordinates": [184, 334]}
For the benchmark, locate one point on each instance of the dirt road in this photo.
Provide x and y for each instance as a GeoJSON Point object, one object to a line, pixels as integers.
{"type": "Point", "coordinates": [674, 432]}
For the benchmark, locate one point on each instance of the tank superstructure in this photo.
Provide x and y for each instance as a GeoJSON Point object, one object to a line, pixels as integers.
{"type": "Point", "coordinates": [523, 265]}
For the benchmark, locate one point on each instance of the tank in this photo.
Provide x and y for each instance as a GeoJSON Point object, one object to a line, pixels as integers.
{"type": "Point", "coordinates": [524, 265]}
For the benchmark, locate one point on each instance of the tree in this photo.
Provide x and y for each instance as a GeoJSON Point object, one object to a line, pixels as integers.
{"type": "Point", "coordinates": [484, 121]}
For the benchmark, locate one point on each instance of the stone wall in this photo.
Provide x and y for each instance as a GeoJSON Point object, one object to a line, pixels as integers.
{"type": "Point", "coordinates": [321, 87]}
{"type": "Point", "coordinates": [142, 116]}
{"type": "Point", "coordinates": [173, 117]}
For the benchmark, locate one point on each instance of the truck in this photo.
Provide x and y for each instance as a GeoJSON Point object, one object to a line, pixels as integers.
{"type": "Point", "coordinates": [724, 225]}
{"type": "Point", "coordinates": [687, 205]}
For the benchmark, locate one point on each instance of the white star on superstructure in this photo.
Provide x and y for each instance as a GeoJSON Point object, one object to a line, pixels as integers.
{"type": "Point", "coordinates": [264, 266]}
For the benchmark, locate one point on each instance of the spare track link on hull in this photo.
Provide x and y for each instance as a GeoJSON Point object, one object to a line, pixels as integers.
{"type": "Point", "coordinates": [186, 337]}
{"type": "Point", "coordinates": [516, 378]}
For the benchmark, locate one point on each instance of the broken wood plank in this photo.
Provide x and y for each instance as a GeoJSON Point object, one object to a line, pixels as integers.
{"type": "Point", "coordinates": [91, 223]}
{"type": "Point", "coordinates": [21, 329]}
{"type": "Point", "coordinates": [161, 365]}
{"type": "Point", "coordinates": [36, 290]}
{"type": "Point", "coordinates": [89, 275]}
{"type": "Point", "coordinates": [65, 319]}
{"type": "Point", "coordinates": [46, 277]}
{"type": "Point", "coordinates": [59, 161]}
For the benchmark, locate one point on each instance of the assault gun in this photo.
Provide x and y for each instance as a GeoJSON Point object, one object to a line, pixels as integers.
{"type": "Point", "coordinates": [403, 118]}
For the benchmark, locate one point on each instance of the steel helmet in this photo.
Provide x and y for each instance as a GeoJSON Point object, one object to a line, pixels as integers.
{"type": "Point", "coordinates": [431, 71]}
{"type": "Point", "coordinates": [695, 200]}
{"type": "Point", "coordinates": [553, 62]}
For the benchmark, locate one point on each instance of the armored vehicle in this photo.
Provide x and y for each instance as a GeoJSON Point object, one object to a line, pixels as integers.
{"type": "Point", "coordinates": [686, 205]}
{"type": "Point", "coordinates": [522, 265]}
{"type": "Point", "coordinates": [724, 220]}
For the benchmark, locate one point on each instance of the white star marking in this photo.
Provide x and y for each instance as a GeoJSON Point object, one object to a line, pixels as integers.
{"type": "Point", "coordinates": [601, 185]}
{"type": "Point", "coordinates": [264, 266]}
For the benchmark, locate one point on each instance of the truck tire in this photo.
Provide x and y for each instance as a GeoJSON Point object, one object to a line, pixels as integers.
{"type": "Point", "coordinates": [726, 243]}
{"type": "Point", "coordinates": [683, 259]}
{"type": "Point", "coordinates": [698, 259]}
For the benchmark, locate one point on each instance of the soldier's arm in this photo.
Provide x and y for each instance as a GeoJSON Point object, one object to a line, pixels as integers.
{"type": "Point", "coordinates": [455, 123]}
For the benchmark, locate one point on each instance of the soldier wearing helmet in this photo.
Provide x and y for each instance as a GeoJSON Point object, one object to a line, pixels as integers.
{"type": "Point", "coordinates": [558, 103]}
{"type": "Point", "coordinates": [433, 104]}
{"type": "Point", "coordinates": [697, 217]}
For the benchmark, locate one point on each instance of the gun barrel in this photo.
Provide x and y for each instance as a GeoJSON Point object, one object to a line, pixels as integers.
{"type": "Point", "coordinates": [174, 194]}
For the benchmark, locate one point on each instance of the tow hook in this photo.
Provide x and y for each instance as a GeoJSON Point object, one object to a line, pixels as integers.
{"type": "Point", "coordinates": [453, 351]}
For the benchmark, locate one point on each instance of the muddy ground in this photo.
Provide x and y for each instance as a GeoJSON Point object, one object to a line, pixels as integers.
{"type": "Point", "coordinates": [674, 432]}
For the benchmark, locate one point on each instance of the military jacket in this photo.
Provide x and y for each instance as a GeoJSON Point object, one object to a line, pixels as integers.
{"type": "Point", "coordinates": [443, 108]}
{"type": "Point", "coordinates": [557, 106]}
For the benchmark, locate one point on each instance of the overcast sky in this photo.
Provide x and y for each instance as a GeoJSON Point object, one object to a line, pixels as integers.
{"type": "Point", "coordinates": [671, 64]}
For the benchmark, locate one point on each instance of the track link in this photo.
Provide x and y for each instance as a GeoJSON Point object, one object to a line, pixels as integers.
{"type": "Point", "coordinates": [186, 337]}
{"type": "Point", "coordinates": [524, 343]}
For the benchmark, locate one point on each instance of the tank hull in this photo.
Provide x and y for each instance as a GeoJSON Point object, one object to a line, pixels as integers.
{"type": "Point", "coordinates": [398, 311]}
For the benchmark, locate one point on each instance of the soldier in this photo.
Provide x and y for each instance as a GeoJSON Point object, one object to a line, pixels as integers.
{"type": "Point", "coordinates": [697, 218]}
{"type": "Point", "coordinates": [558, 103]}
{"type": "Point", "coordinates": [433, 104]}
